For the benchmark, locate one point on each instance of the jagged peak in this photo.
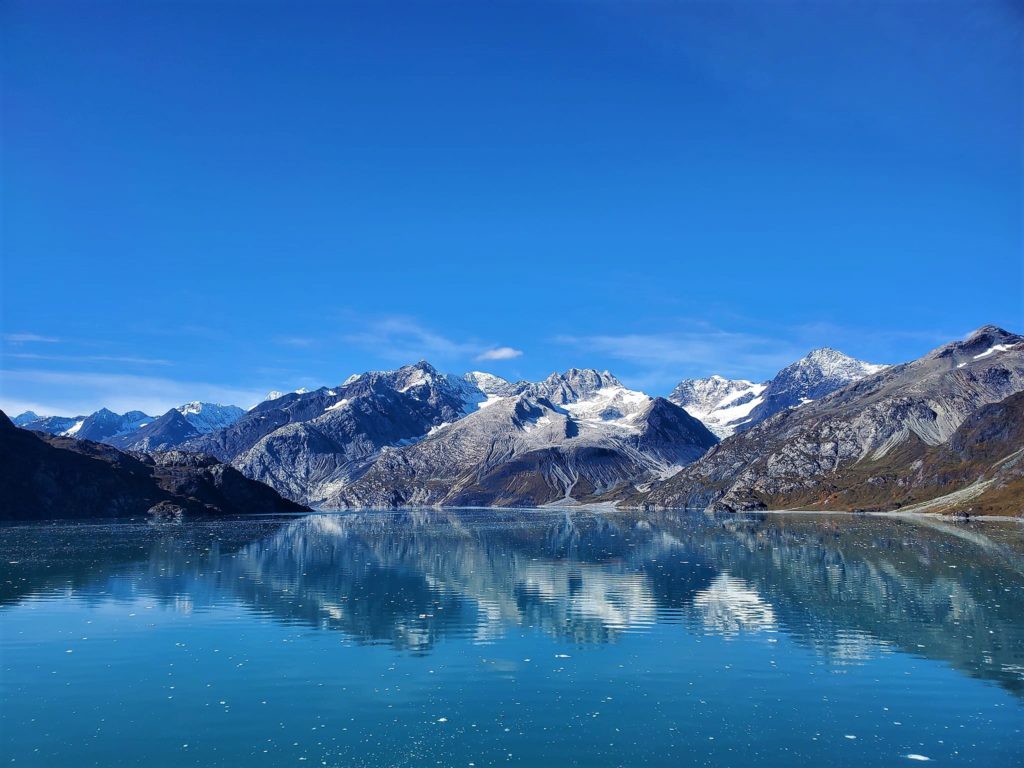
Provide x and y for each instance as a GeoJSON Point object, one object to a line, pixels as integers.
{"type": "Point", "coordinates": [988, 330]}
{"type": "Point", "coordinates": [987, 340]}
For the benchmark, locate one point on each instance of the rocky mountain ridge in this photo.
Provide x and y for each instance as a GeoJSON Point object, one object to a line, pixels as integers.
{"type": "Point", "coordinates": [828, 454]}
{"type": "Point", "coordinates": [51, 477]}
{"type": "Point", "coordinates": [730, 405]}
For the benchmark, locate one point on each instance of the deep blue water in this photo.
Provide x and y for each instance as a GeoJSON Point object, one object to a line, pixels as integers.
{"type": "Point", "coordinates": [527, 638]}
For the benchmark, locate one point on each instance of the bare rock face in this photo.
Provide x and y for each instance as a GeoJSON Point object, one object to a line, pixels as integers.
{"type": "Point", "coordinates": [49, 477]}
{"type": "Point", "coordinates": [727, 406]}
{"type": "Point", "coordinates": [806, 455]}
{"type": "Point", "coordinates": [308, 445]}
{"type": "Point", "coordinates": [577, 436]}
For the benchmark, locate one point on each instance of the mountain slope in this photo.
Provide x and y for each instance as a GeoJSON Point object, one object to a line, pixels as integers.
{"type": "Point", "coordinates": [104, 424]}
{"type": "Point", "coordinates": [726, 406]}
{"type": "Point", "coordinates": [177, 426]}
{"type": "Point", "coordinates": [821, 372]}
{"type": "Point", "coordinates": [718, 402]}
{"type": "Point", "coordinates": [51, 425]}
{"type": "Point", "coordinates": [817, 454]}
{"type": "Point", "coordinates": [167, 432]}
{"type": "Point", "coordinates": [574, 436]}
{"type": "Point", "coordinates": [308, 445]}
{"type": "Point", "coordinates": [47, 476]}
{"type": "Point", "coordinates": [206, 417]}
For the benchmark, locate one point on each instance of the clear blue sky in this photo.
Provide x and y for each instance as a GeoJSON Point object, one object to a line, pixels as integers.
{"type": "Point", "coordinates": [214, 199]}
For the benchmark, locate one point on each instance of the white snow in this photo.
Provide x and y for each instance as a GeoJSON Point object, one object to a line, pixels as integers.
{"type": "Point", "coordinates": [207, 417]}
{"type": "Point", "coordinates": [992, 350]}
{"type": "Point", "coordinates": [340, 404]}
{"type": "Point", "coordinates": [487, 383]}
{"type": "Point", "coordinates": [613, 406]}
{"type": "Point", "coordinates": [491, 400]}
{"type": "Point", "coordinates": [72, 431]}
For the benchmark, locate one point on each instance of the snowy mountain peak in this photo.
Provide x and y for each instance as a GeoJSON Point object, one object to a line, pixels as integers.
{"type": "Point", "coordinates": [726, 405]}
{"type": "Point", "coordinates": [206, 417]}
{"type": "Point", "coordinates": [489, 384]}
{"type": "Point", "coordinates": [573, 385]}
{"type": "Point", "coordinates": [828, 366]}
{"type": "Point", "coordinates": [717, 401]}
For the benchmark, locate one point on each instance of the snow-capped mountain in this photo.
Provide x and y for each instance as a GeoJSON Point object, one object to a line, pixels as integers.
{"type": "Point", "coordinates": [52, 425]}
{"type": "Point", "coordinates": [821, 372]}
{"type": "Point", "coordinates": [718, 402]}
{"type": "Point", "coordinates": [177, 426]}
{"type": "Point", "coordinates": [276, 394]}
{"type": "Point", "coordinates": [730, 405]}
{"type": "Point", "coordinates": [104, 424]}
{"type": "Point", "coordinates": [206, 417]}
{"type": "Point", "coordinates": [575, 436]}
{"type": "Point", "coordinates": [940, 433]}
{"type": "Point", "coordinates": [492, 385]}
{"type": "Point", "coordinates": [309, 445]}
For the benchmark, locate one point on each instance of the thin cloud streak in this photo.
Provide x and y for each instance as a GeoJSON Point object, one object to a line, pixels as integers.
{"type": "Point", "coordinates": [404, 340]}
{"type": "Point", "coordinates": [89, 358]}
{"type": "Point", "coordinates": [29, 338]}
{"type": "Point", "coordinates": [674, 355]}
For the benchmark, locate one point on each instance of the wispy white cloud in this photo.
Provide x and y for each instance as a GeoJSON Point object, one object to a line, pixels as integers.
{"type": "Point", "coordinates": [404, 340]}
{"type": "Point", "coordinates": [72, 393]}
{"type": "Point", "coordinates": [669, 356]}
{"type": "Point", "coordinates": [89, 358]}
{"type": "Point", "coordinates": [500, 353]}
{"type": "Point", "coordinates": [29, 338]}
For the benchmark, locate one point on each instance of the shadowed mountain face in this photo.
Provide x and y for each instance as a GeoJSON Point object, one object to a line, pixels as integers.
{"type": "Point", "coordinates": [850, 589]}
{"type": "Point", "coordinates": [48, 477]}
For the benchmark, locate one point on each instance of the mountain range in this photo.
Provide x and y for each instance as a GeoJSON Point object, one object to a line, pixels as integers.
{"type": "Point", "coordinates": [828, 431]}
{"type": "Point", "coordinates": [941, 433]}
{"type": "Point", "coordinates": [47, 476]}
{"type": "Point", "coordinates": [730, 405]}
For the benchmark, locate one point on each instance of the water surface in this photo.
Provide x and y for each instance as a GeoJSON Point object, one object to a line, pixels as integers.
{"type": "Point", "coordinates": [531, 638]}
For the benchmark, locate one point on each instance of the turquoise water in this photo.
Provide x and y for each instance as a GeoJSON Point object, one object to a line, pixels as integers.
{"type": "Point", "coordinates": [527, 638]}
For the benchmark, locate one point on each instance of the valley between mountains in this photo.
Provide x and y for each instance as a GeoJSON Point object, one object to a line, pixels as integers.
{"type": "Point", "coordinates": [943, 433]}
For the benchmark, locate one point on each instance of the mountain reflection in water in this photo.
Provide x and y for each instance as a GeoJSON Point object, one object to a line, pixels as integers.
{"type": "Point", "coordinates": [848, 588]}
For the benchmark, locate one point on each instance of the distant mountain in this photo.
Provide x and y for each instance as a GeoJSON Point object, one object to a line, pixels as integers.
{"type": "Point", "coordinates": [491, 385]}
{"type": "Point", "coordinates": [46, 476]}
{"type": "Point", "coordinates": [25, 418]}
{"type": "Point", "coordinates": [941, 432]}
{"type": "Point", "coordinates": [275, 394]}
{"type": "Point", "coordinates": [572, 437]}
{"type": "Point", "coordinates": [105, 424]}
{"type": "Point", "coordinates": [52, 425]}
{"type": "Point", "coordinates": [100, 426]}
{"type": "Point", "coordinates": [820, 373]}
{"type": "Point", "coordinates": [206, 417]}
{"type": "Point", "coordinates": [718, 402]}
{"type": "Point", "coordinates": [729, 405]}
{"type": "Point", "coordinates": [178, 426]}
{"type": "Point", "coordinates": [309, 445]}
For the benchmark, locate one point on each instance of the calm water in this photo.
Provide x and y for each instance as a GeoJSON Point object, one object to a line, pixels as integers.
{"type": "Point", "coordinates": [482, 638]}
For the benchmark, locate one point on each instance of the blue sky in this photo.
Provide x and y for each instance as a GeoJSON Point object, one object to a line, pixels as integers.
{"type": "Point", "coordinates": [210, 200]}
